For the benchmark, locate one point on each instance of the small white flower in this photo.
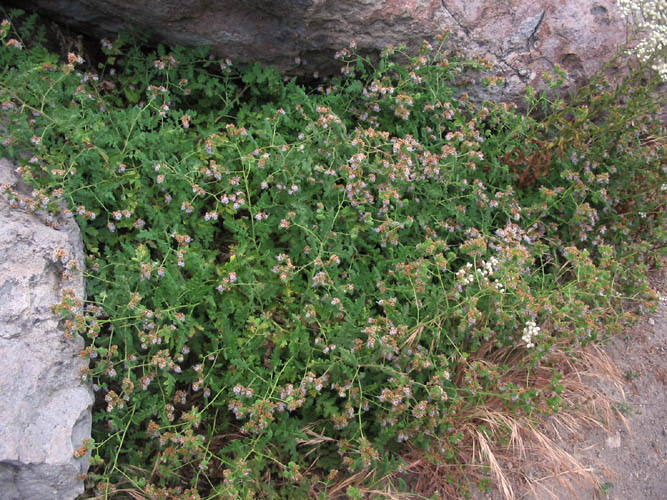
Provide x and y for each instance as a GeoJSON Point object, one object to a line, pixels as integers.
{"type": "Point", "coordinates": [530, 331]}
{"type": "Point", "coordinates": [650, 18]}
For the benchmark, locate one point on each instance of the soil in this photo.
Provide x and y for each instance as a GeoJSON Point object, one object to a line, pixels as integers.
{"type": "Point", "coordinates": [629, 457]}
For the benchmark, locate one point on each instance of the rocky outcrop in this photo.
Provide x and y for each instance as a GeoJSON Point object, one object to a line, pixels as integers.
{"type": "Point", "coordinates": [45, 408]}
{"type": "Point", "coordinates": [523, 38]}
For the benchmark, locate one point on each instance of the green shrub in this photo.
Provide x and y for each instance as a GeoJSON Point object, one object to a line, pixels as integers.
{"type": "Point", "coordinates": [284, 282]}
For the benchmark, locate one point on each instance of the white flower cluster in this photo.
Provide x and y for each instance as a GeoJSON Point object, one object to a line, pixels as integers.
{"type": "Point", "coordinates": [487, 267]}
{"type": "Point", "coordinates": [530, 330]}
{"type": "Point", "coordinates": [651, 19]}
{"type": "Point", "coordinates": [466, 275]}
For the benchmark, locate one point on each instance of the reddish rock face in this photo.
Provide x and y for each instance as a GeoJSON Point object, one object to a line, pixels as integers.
{"type": "Point", "coordinates": [523, 38]}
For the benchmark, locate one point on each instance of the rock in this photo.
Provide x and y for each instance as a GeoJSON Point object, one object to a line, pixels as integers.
{"type": "Point", "coordinates": [522, 38]}
{"type": "Point", "coordinates": [45, 408]}
{"type": "Point", "coordinates": [613, 441]}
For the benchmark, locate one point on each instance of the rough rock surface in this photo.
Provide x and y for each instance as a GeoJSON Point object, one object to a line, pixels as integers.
{"type": "Point", "coordinates": [523, 38]}
{"type": "Point", "coordinates": [45, 408]}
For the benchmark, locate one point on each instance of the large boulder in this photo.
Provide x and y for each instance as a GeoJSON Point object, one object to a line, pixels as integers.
{"type": "Point", "coordinates": [522, 38]}
{"type": "Point", "coordinates": [45, 408]}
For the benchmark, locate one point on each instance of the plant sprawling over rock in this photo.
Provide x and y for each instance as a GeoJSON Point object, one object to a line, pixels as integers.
{"type": "Point", "coordinates": [290, 287]}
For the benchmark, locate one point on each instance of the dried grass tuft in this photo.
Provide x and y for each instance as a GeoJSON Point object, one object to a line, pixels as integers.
{"type": "Point", "coordinates": [524, 453]}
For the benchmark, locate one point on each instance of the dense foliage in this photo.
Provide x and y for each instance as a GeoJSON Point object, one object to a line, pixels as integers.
{"type": "Point", "coordinates": [286, 282]}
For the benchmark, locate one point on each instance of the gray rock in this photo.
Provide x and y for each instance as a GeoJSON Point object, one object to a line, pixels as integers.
{"type": "Point", "coordinates": [522, 38]}
{"type": "Point", "coordinates": [45, 408]}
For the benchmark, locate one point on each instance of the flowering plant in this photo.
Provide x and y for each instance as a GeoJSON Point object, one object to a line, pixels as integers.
{"type": "Point", "coordinates": [649, 17]}
{"type": "Point", "coordinates": [291, 287]}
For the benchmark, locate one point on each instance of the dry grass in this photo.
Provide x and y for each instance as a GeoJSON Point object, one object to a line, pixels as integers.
{"type": "Point", "coordinates": [519, 453]}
